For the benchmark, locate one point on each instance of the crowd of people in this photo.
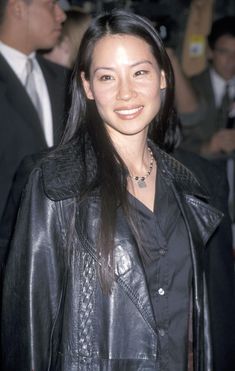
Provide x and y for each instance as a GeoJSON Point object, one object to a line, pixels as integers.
{"type": "Point", "coordinates": [116, 245]}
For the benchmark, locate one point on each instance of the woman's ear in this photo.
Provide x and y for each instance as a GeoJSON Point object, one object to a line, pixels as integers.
{"type": "Point", "coordinates": [87, 87]}
{"type": "Point", "coordinates": [163, 80]}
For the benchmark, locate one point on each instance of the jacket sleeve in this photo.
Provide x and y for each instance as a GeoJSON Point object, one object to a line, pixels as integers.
{"type": "Point", "coordinates": [32, 286]}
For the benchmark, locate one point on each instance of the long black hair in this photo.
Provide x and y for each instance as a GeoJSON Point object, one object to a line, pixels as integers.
{"type": "Point", "coordinates": [111, 171]}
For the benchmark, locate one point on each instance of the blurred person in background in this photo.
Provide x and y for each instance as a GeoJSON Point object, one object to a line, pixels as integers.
{"type": "Point", "coordinates": [209, 130]}
{"type": "Point", "coordinates": [65, 51]}
{"type": "Point", "coordinates": [206, 104]}
{"type": "Point", "coordinates": [32, 90]}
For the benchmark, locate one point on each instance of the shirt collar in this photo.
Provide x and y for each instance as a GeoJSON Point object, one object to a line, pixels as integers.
{"type": "Point", "coordinates": [219, 84]}
{"type": "Point", "coordinates": [16, 60]}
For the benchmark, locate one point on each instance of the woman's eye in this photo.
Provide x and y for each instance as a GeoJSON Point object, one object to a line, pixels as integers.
{"type": "Point", "coordinates": [105, 78]}
{"type": "Point", "coordinates": [141, 73]}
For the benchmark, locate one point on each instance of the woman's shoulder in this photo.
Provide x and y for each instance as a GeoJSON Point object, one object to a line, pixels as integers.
{"type": "Point", "coordinates": [211, 175]}
{"type": "Point", "coordinates": [66, 169]}
{"type": "Point", "coordinates": [180, 174]}
{"type": "Point", "coordinates": [45, 166]}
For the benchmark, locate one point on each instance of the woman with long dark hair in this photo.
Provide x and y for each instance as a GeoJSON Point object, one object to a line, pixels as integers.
{"type": "Point", "coordinates": [106, 267]}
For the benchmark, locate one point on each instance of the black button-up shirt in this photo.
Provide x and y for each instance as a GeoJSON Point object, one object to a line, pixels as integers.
{"type": "Point", "coordinates": [167, 264]}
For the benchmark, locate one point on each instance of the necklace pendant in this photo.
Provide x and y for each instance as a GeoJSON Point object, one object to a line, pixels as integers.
{"type": "Point", "coordinates": [141, 183]}
{"type": "Point", "coordinates": [140, 180]}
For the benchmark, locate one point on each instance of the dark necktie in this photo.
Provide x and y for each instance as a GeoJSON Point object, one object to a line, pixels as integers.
{"type": "Point", "coordinates": [231, 115]}
{"type": "Point", "coordinates": [224, 108]}
{"type": "Point", "coordinates": [30, 87]}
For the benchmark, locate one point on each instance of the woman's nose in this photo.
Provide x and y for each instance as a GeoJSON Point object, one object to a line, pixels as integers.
{"type": "Point", "coordinates": [125, 90]}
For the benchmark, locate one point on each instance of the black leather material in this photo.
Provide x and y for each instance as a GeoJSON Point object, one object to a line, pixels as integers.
{"type": "Point", "coordinates": [55, 316]}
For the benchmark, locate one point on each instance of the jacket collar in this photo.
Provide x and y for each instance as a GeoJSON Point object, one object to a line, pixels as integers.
{"type": "Point", "coordinates": [193, 198]}
{"type": "Point", "coordinates": [173, 170]}
{"type": "Point", "coordinates": [67, 169]}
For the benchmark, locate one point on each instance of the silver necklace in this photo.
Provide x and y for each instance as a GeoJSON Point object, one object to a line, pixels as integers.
{"type": "Point", "coordinates": [140, 180]}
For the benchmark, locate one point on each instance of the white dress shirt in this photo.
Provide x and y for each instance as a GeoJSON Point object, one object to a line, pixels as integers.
{"type": "Point", "coordinates": [219, 86]}
{"type": "Point", "coordinates": [17, 62]}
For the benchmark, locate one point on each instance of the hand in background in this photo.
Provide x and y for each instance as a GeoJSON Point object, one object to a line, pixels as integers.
{"type": "Point", "coordinates": [221, 141]}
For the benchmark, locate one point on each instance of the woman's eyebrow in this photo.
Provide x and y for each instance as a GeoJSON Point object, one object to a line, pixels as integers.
{"type": "Point", "coordinates": [132, 65]}
{"type": "Point", "coordinates": [142, 62]}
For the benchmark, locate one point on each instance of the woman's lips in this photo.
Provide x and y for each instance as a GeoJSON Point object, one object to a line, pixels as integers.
{"type": "Point", "coordinates": [128, 113]}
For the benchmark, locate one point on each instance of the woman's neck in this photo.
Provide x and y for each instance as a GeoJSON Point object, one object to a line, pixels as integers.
{"type": "Point", "coordinates": [141, 166]}
{"type": "Point", "coordinates": [134, 152]}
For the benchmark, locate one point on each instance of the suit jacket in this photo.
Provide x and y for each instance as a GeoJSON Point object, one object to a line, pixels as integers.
{"type": "Point", "coordinates": [21, 131]}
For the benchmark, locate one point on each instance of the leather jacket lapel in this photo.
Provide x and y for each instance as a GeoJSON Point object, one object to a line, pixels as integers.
{"type": "Point", "coordinates": [192, 198]}
{"type": "Point", "coordinates": [130, 276]}
{"type": "Point", "coordinates": [129, 272]}
{"type": "Point", "coordinates": [204, 217]}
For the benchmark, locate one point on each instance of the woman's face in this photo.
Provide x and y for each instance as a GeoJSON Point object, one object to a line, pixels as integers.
{"type": "Point", "coordinates": [125, 82]}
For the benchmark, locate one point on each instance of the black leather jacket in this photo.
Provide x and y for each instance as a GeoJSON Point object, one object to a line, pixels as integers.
{"type": "Point", "coordinates": [55, 316]}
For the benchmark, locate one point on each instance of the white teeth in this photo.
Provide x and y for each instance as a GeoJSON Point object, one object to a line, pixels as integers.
{"type": "Point", "coordinates": [129, 111]}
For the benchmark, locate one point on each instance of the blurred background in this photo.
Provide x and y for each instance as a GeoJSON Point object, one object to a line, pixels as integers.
{"type": "Point", "coordinates": [170, 14]}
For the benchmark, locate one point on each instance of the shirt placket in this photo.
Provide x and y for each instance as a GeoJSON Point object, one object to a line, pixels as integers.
{"type": "Point", "coordinates": [160, 298]}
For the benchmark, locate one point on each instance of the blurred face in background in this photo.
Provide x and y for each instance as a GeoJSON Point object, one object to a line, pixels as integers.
{"type": "Point", "coordinates": [223, 56]}
{"type": "Point", "coordinates": [65, 51]}
{"type": "Point", "coordinates": [42, 20]}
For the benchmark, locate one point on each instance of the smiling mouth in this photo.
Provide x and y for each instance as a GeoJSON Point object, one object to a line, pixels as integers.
{"type": "Point", "coordinates": [129, 112]}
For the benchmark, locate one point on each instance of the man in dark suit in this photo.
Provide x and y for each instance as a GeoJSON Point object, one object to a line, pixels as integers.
{"type": "Point", "coordinates": [25, 27]}
{"type": "Point", "coordinates": [209, 130]}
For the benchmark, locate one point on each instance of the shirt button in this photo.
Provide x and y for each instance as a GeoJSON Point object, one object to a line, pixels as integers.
{"type": "Point", "coordinates": [162, 252]}
{"type": "Point", "coordinates": [161, 291]}
{"type": "Point", "coordinates": [161, 332]}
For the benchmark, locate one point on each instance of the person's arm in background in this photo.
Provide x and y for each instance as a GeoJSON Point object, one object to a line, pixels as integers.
{"type": "Point", "coordinates": [192, 111]}
{"type": "Point", "coordinates": [189, 106]}
{"type": "Point", "coordinates": [223, 141]}
{"type": "Point", "coordinates": [185, 98]}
